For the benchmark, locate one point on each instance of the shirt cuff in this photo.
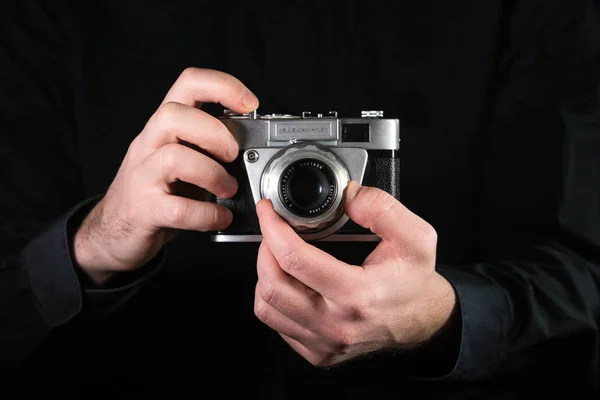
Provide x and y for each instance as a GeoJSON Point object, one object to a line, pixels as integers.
{"type": "Point", "coordinates": [485, 314]}
{"type": "Point", "coordinates": [98, 302]}
{"type": "Point", "coordinates": [52, 277]}
{"type": "Point", "coordinates": [56, 282]}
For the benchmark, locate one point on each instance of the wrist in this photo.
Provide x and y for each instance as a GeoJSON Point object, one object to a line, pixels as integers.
{"type": "Point", "coordinates": [440, 309]}
{"type": "Point", "coordinates": [436, 354]}
{"type": "Point", "coordinates": [96, 278]}
{"type": "Point", "coordinates": [87, 254]}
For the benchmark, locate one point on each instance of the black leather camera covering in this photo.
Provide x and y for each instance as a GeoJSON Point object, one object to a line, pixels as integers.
{"type": "Point", "coordinates": [245, 220]}
{"type": "Point", "coordinates": [383, 173]}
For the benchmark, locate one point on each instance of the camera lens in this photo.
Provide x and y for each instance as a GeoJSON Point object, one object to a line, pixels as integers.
{"type": "Point", "coordinates": [307, 188]}
{"type": "Point", "coordinates": [305, 181]}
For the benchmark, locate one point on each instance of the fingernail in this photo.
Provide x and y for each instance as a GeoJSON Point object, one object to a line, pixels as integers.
{"type": "Point", "coordinates": [259, 208]}
{"type": "Point", "coordinates": [352, 190]}
{"type": "Point", "coordinates": [230, 216]}
{"type": "Point", "coordinates": [233, 186]}
{"type": "Point", "coordinates": [249, 99]}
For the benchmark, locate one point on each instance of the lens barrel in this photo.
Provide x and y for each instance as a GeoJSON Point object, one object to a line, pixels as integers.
{"type": "Point", "coordinates": [305, 182]}
{"type": "Point", "coordinates": [307, 188]}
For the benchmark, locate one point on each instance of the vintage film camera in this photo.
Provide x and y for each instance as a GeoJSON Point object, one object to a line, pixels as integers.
{"type": "Point", "coordinates": [303, 163]}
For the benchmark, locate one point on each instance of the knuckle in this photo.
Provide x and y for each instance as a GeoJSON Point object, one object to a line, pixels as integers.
{"type": "Point", "coordinates": [221, 130]}
{"type": "Point", "coordinates": [261, 311]}
{"type": "Point", "coordinates": [213, 174]}
{"type": "Point", "coordinates": [208, 217]}
{"type": "Point", "coordinates": [358, 308]}
{"type": "Point", "coordinates": [212, 218]}
{"type": "Point", "coordinates": [430, 235]}
{"type": "Point", "coordinates": [383, 201]}
{"type": "Point", "coordinates": [363, 302]}
{"type": "Point", "coordinates": [133, 146]}
{"type": "Point", "coordinates": [176, 214]}
{"type": "Point", "coordinates": [168, 156]}
{"type": "Point", "coordinates": [168, 113]}
{"type": "Point", "coordinates": [344, 338]}
{"type": "Point", "coordinates": [376, 202]}
{"type": "Point", "coordinates": [188, 73]}
{"type": "Point", "coordinates": [428, 239]}
{"type": "Point", "coordinates": [224, 135]}
{"type": "Point", "coordinates": [269, 294]}
{"type": "Point", "coordinates": [290, 262]}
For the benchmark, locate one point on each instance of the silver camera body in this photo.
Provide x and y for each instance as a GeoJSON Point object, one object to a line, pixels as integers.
{"type": "Point", "coordinates": [303, 163]}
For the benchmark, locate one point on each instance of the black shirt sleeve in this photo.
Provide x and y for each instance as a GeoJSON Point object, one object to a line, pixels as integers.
{"type": "Point", "coordinates": [531, 308]}
{"type": "Point", "coordinates": [41, 195]}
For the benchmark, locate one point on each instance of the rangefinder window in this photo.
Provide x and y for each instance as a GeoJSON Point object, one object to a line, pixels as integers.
{"type": "Point", "coordinates": [359, 133]}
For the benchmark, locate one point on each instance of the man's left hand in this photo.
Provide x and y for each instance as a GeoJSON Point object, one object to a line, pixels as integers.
{"type": "Point", "coordinates": [330, 311]}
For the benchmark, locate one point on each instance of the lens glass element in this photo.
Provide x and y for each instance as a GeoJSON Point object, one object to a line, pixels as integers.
{"type": "Point", "coordinates": [307, 188]}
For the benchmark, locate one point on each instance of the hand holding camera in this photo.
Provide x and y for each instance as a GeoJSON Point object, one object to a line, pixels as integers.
{"type": "Point", "coordinates": [296, 169]}
{"type": "Point", "coordinates": [140, 209]}
{"type": "Point", "coordinates": [329, 311]}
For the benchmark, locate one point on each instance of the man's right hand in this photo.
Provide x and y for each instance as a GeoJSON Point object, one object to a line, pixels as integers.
{"type": "Point", "coordinates": [131, 223]}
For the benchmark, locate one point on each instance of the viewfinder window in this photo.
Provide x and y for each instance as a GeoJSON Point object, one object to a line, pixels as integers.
{"type": "Point", "coordinates": [355, 133]}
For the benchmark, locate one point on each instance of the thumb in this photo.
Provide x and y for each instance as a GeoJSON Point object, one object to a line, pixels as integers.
{"type": "Point", "coordinates": [380, 212]}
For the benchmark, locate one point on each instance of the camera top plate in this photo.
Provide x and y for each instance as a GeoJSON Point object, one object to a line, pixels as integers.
{"type": "Point", "coordinates": [370, 131]}
{"type": "Point", "coordinates": [305, 114]}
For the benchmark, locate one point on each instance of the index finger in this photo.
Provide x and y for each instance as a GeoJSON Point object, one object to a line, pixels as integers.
{"type": "Point", "coordinates": [198, 85]}
{"type": "Point", "coordinates": [315, 268]}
